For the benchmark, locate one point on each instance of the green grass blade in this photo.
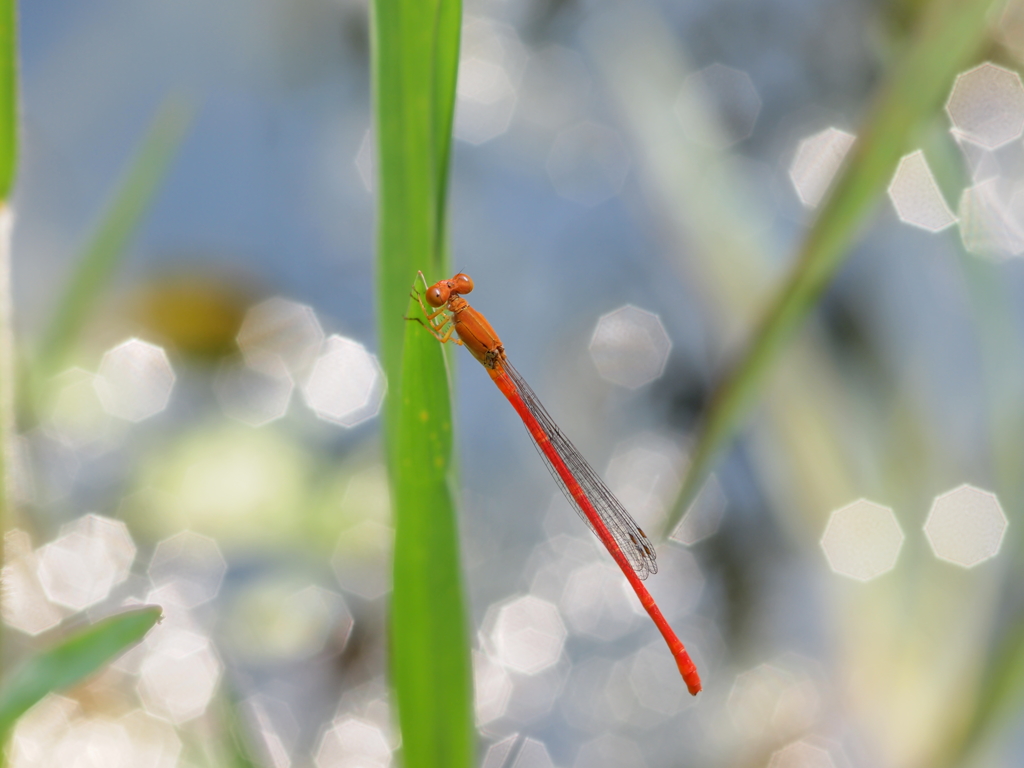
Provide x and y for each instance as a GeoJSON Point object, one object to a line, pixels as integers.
{"type": "Point", "coordinates": [415, 57]}
{"type": "Point", "coordinates": [8, 96]}
{"type": "Point", "coordinates": [946, 40]}
{"type": "Point", "coordinates": [108, 245]}
{"type": "Point", "coordinates": [72, 660]}
{"type": "Point", "coordinates": [8, 170]}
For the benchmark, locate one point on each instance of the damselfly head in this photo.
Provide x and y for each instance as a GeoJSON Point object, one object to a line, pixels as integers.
{"type": "Point", "coordinates": [438, 293]}
{"type": "Point", "coordinates": [461, 283]}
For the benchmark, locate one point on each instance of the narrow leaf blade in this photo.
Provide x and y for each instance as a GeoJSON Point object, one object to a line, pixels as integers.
{"type": "Point", "coordinates": [71, 660]}
{"type": "Point", "coordinates": [946, 40]}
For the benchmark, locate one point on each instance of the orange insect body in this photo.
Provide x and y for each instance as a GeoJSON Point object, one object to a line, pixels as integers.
{"type": "Point", "coordinates": [593, 501]}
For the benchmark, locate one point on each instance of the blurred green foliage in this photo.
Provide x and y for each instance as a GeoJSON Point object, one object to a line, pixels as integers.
{"type": "Point", "coordinates": [8, 97]}
{"type": "Point", "coordinates": [71, 660]}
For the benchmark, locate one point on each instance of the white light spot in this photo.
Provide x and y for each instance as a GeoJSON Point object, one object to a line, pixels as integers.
{"type": "Point", "coordinates": [255, 396]}
{"type": "Point", "coordinates": [283, 328]}
{"type": "Point", "coordinates": [987, 224]}
{"type": "Point", "coordinates": [492, 687]}
{"type": "Point", "coordinates": [193, 563]}
{"type": "Point", "coordinates": [643, 475]}
{"type": "Point", "coordinates": [39, 729]}
{"type": "Point", "coordinates": [630, 347]}
{"type": "Point", "coordinates": [800, 754]}
{"type": "Point", "coordinates": [532, 754]}
{"type": "Point", "coordinates": [91, 743]}
{"type": "Point", "coordinates": [726, 92]}
{"type": "Point", "coordinates": [24, 603]}
{"type": "Point", "coordinates": [595, 601]}
{"type": "Point", "coordinates": [179, 675]}
{"type": "Point", "coordinates": [587, 163]}
{"type": "Point", "coordinates": [768, 702]}
{"type": "Point", "coordinates": [273, 728]}
{"type": "Point", "coordinates": [346, 386]}
{"type": "Point", "coordinates": [609, 751]}
{"type": "Point", "coordinates": [986, 105]}
{"type": "Point", "coordinates": [498, 753]}
{"type": "Point", "coordinates": [966, 526]}
{"type": "Point", "coordinates": [704, 515]}
{"type": "Point", "coordinates": [92, 555]}
{"type": "Point", "coordinates": [77, 414]}
{"type": "Point", "coordinates": [489, 71]}
{"type": "Point", "coordinates": [135, 380]}
{"type": "Point", "coordinates": [654, 678]}
{"type": "Point", "coordinates": [353, 743]}
{"type": "Point", "coordinates": [916, 195]}
{"type": "Point", "coordinates": [816, 162]}
{"type": "Point", "coordinates": [154, 742]}
{"type": "Point", "coordinates": [528, 635]}
{"type": "Point", "coordinates": [862, 540]}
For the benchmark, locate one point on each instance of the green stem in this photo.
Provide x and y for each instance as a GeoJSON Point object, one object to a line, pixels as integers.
{"type": "Point", "coordinates": [946, 41]}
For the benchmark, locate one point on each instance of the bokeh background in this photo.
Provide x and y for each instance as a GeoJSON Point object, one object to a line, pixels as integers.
{"type": "Point", "coordinates": [630, 183]}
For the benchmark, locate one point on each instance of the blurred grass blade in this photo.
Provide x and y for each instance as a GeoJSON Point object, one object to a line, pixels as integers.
{"type": "Point", "coordinates": [8, 170]}
{"type": "Point", "coordinates": [108, 245]}
{"type": "Point", "coordinates": [429, 636]}
{"type": "Point", "coordinates": [415, 58]}
{"type": "Point", "coordinates": [945, 41]}
{"type": "Point", "coordinates": [8, 96]}
{"type": "Point", "coordinates": [72, 660]}
{"type": "Point", "coordinates": [999, 699]}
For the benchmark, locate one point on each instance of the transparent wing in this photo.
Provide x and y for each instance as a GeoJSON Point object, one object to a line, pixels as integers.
{"type": "Point", "coordinates": [627, 534]}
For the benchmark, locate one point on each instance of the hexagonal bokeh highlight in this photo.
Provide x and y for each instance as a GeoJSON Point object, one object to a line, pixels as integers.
{"type": "Point", "coordinates": [272, 729]}
{"type": "Point", "coordinates": [643, 473]}
{"type": "Point", "coordinates": [178, 676]}
{"type": "Point", "coordinates": [595, 602]}
{"type": "Point", "coordinates": [355, 742]}
{"type": "Point", "coordinates": [966, 526]}
{"type": "Point", "coordinates": [731, 94]}
{"type": "Point", "coordinates": [816, 162]}
{"type": "Point", "coordinates": [92, 555]}
{"type": "Point", "coordinates": [800, 754]}
{"type": "Point", "coordinates": [986, 105]}
{"type": "Point", "coordinates": [284, 328]}
{"type": "Point", "coordinates": [704, 515]}
{"type": "Point", "coordinates": [862, 540]}
{"type": "Point", "coordinates": [193, 563]}
{"type": "Point", "coordinates": [23, 602]}
{"type": "Point", "coordinates": [773, 701]}
{"type": "Point", "coordinates": [135, 380]}
{"type": "Point", "coordinates": [609, 751]}
{"type": "Point", "coordinates": [77, 414]}
{"type": "Point", "coordinates": [517, 751]}
{"type": "Point", "coordinates": [630, 347]}
{"type": "Point", "coordinates": [55, 732]}
{"type": "Point", "coordinates": [255, 395]}
{"type": "Point", "coordinates": [528, 635]}
{"type": "Point", "coordinates": [490, 68]}
{"type": "Point", "coordinates": [346, 386]}
{"type": "Point", "coordinates": [492, 689]}
{"type": "Point", "coordinates": [989, 224]}
{"type": "Point", "coordinates": [587, 163]}
{"type": "Point", "coordinates": [916, 196]}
